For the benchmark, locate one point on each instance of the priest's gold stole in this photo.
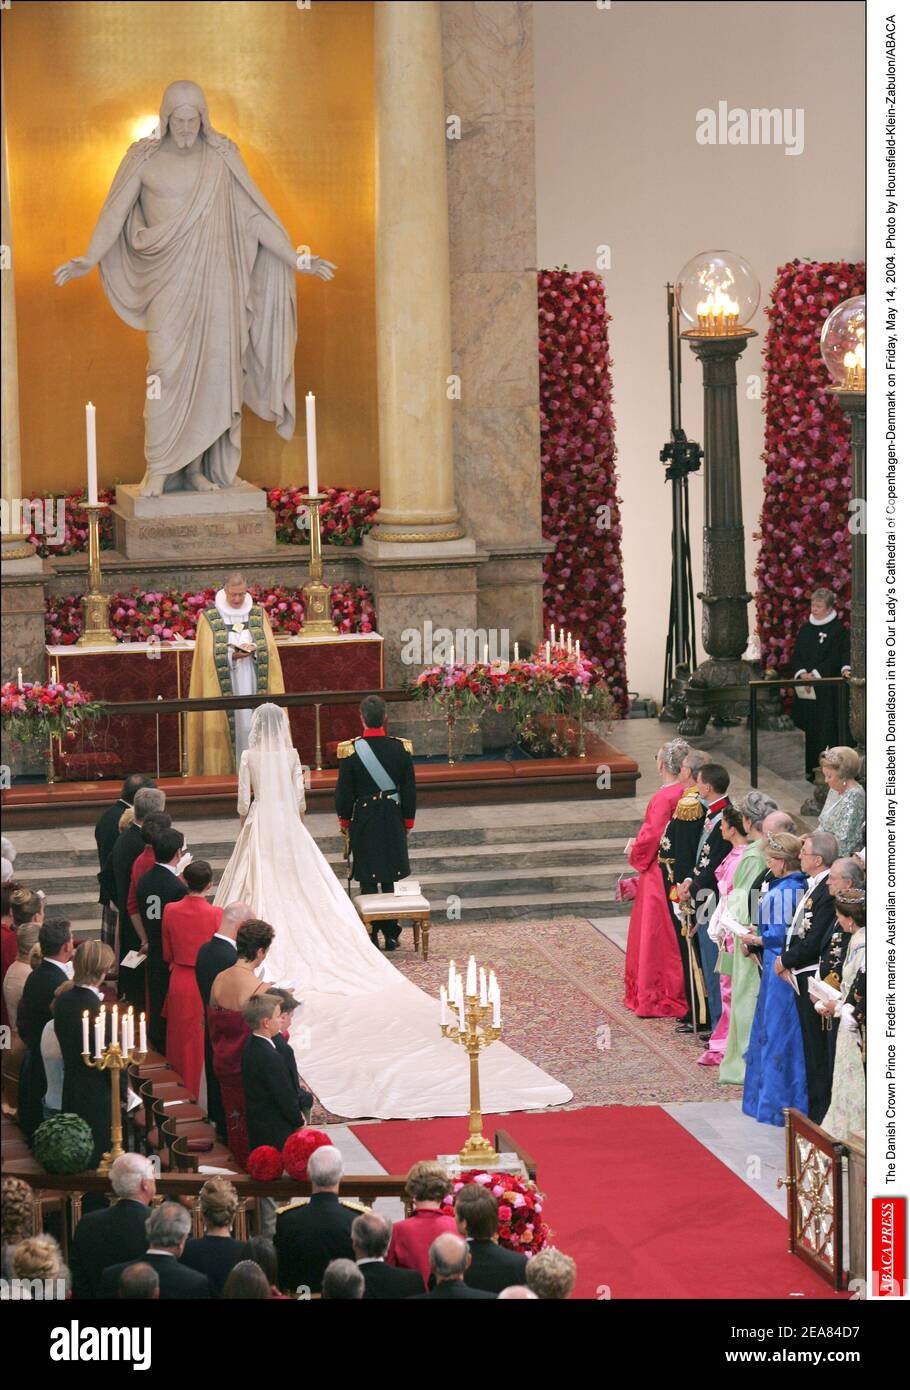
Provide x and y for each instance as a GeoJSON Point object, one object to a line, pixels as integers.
{"type": "Point", "coordinates": [293, 88]}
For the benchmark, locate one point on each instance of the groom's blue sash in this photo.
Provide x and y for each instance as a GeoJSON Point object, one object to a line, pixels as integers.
{"type": "Point", "coordinates": [375, 768]}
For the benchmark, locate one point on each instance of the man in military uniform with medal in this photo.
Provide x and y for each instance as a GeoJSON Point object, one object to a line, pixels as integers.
{"type": "Point", "coordinates": [235, 655]}
{"type": "Point", "coordinates": [699, 891]}
{"type": "Point", "coordinates": [376, 802]}
{"type": "Point", "coordinates": [678, 851]}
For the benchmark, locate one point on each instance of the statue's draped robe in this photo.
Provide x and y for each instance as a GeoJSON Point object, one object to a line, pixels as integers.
{"type": "Point", "coordinates": [210, 735]}
{"type": "Point", "coordinates": [219, 311]}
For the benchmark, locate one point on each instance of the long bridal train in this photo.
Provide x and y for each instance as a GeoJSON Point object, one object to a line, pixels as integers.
{"type": "Point", "coordinates": [367, 1041]}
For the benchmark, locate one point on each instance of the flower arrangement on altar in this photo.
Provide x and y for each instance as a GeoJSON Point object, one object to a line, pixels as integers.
{"type": "Point", "coordinates": [583, 583]}
{"type": "Point", "coordinates": [555, 680]}
{"type": "Point", "coordinates": [33, 711]}
{"type": "Point", "coordinates": [345, 516]}
{"type": "Point", "coordinates": [75, 526]}
{"type": "Point", "coordinates": [804, 530]}
{"type": "Point", "coordinates": [141, 615]}
{"type": "Point", "coordinates": [521, 1224]}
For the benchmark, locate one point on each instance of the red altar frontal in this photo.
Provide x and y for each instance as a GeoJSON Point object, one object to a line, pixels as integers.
{"type": "Point", "coordinates": [119, 744]}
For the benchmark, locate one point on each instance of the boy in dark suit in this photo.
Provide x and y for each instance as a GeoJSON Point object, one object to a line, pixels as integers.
{"type": "Point", "coordinates": [272, 1099]}
{"type": "Point", "coordinates": [376, 802]}
{"type": "Point", "coordinates": [286, 1052]}
{"type": "Point", "coordinates": [154, 891]}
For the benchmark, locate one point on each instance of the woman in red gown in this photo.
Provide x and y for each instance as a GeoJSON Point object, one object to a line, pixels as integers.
{"type": "Point", "coordinates": [654, 979]}
{"type": "Point", "coordinates": [228, 1030]}
{"type": "Point", "coordinates": [185, 926]}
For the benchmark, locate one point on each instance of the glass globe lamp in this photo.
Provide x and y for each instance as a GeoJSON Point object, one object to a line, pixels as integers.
{"type": "Point", "coordinates": [843, 344]}
{"type": "Point", "coordinates": [717, 293]}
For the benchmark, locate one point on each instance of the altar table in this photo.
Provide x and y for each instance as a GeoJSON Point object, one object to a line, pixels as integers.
{"type": "Point", "coordinates": [120, 744]}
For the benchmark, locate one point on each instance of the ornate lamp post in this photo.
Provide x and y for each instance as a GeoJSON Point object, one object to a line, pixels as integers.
{"type": "Point", "coordinates": [717, 294]}
{"type": "Point", "coordinates": [843, 349]}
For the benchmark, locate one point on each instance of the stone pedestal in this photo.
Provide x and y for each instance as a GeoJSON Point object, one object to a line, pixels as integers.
{"type": "Point", "coordinates": [217, 524]}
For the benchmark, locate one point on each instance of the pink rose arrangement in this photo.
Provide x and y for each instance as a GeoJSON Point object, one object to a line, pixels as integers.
{"type": "Point", "coordinates": [583, 584]}
{"type": "Point", "coordinates": [804, 533]}
{"type": "Point", "coordinates": [521, 1224]}
{"type": "Point", "coordinates": [75, 526]}
{"type": "Point", "coordinates": [140, 615]}
{"type": "Point", "coordinates": [345, 516]}
{"type": "Point", "coordinates": [39, 710]}
{"type": "Point", "coordinates": [563, 685]}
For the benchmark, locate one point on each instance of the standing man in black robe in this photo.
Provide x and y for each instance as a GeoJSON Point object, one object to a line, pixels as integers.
{"type": "Point", "coordinates": [376, 802]}
{"type": "Point", "coordinates": [822, 649]}
{"type": "Point", "coordinates": [678, 852]}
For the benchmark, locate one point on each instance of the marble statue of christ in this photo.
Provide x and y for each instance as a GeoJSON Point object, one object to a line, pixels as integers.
{"type": "Point", "coordinates": [189, 250]}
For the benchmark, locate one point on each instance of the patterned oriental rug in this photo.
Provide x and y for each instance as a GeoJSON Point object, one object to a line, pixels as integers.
{"type": "Point", "coordinates": [562, 986]}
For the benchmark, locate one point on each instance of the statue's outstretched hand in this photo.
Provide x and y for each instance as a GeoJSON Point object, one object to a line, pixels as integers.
{"type": "Point", "coordinates": [72, 270]}
{"type": "Point", "coordinates": [317, 265]}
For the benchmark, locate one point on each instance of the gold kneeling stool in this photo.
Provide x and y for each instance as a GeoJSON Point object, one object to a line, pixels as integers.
{"type": "Point", "coordinates": [401, 907]}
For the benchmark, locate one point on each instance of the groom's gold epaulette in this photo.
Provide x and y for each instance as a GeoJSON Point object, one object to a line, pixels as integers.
{"type": "Point", "coordinates": [346, 748]}
{"type": "Point", "coordinates": [688, 807]}
{"type": "Point", "coordinates": [409, 747]}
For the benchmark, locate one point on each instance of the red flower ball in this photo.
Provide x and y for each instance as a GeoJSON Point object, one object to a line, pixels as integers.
{"type": "Point", "coordinates": [298, 1150]}
{"type": "Point", "coordinates": [265, 1164]}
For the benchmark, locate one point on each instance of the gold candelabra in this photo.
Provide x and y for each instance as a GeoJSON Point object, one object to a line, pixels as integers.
{"type": "Point", "coordinates": [476, 1025]}
{"type": "Point", "coordinates": [96, 627]}
{"type": "Point", "coordinates": [114, 1058]}
{"type": "Point", "coordinates": [317, 595]}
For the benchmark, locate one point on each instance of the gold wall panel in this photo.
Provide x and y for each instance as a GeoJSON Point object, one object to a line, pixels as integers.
{"type": "Point", "coordinates": [294, 89]}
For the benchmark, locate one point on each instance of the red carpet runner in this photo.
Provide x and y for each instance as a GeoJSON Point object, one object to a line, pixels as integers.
{"type": "Point", "coordinates": [641, 1206]}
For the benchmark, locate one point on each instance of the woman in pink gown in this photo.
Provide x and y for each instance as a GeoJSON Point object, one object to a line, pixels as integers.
{"type": "Point", "coordinates": [733, 831]}
{"type": "Point", "coordinates": [654, 977]}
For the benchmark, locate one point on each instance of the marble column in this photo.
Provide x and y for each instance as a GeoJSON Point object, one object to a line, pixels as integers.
{"type": "Point", "coordinates": [412, 278]}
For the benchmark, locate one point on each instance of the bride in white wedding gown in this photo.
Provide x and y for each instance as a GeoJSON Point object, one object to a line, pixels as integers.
{"type": "Point", "coordinates": [367, 1040]}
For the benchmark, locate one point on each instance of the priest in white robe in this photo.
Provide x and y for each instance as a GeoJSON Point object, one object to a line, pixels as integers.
{"type": "Point", "coordinates": [235, 654]}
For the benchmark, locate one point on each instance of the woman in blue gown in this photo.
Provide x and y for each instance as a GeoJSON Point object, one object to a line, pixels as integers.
{"type": "Point", "coordinates": [775, 1061]}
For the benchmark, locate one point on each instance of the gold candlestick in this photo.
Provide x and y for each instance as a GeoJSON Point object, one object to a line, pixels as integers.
{"type": "Point", "coordinates": [114, 1061]}
{"type": "Point", "coordinates": [317, 595]}
{"type": "Point", "coordinates": [477, 1033]}
{"type": "Point", "coordinates": [96, 628]}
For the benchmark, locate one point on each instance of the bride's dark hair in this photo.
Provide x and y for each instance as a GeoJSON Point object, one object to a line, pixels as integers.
{"type": "Point", "coordinates": [253, 937]}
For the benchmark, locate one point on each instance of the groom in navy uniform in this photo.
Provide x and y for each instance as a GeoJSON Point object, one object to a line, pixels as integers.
{"type": "Point", "coordinates": [701, 889]}
{"type": "Point", "coordinates": [376, 802]}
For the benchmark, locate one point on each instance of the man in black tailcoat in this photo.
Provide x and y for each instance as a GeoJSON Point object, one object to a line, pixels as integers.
{"type": "Point", "coordinates": [127, 849]}
{"type": "Point", "coordinates": [676, 857]}
{"type": "Point", "coordinates": [107, 830]}
{"type": "Point", "coordinates": [376, 802]}
{"type": "Point", "coordinates": [155, 889]}
{"type": "Point", "coordinates": [56, 943]}
{"type": "Point", "coordinates": [822, 649]}
{"type": "Point", "coordinates": [700, 889]}
{"type": "Point", "coordinates": [809, 930]}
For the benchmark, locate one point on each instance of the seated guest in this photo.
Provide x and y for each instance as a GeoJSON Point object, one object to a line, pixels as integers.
{"type": "Point", "coordinates": [822, 649]}
{"type": "Point", "coordinates": [217, 955]}
{"type": "Point", "coordinates": [228, 1030]}
{"type": "Point", "coordinates": [449, 1259]}
{"type": "Point", "coordinates": [700, 889]}
{"type": "Point", "coordinates": [55, 941]}
{"type": "Point", "coordinates": [733, 830]}
{"type": "Point", "coordinates": [86, 1090]}
{"type": "Point", "coordinates": [551, 1274]}
{"type": "Point", "coordinates": [116, 1233]}
{"type": "Point", "coordinates": [167, 1228]}
{"type": "Point", "coordinates": [847, 1112]}
{"type": "Point", "coordinates": [342, 1279]}
{"type": "Point", "coordinates": [157, 888]}
{"type": "Point", "coordinates": [844, 812]}
{"type": "Point", "coordinates": [427, 1184]}
{"type": "Point", "coordinates": [127, 848]}
{"type": "Point", "coordinates": [40, 1257]}
{"type": "Point", "coordinates": [310, 1235]}
{"type": "Point", "coordinates": [13, 985]}
{"type": "Point", "coordinates": [217, 1252]}
{"type": "Point", "coordinates": [758, 813]}
{"type": "Point", "coordinates": [246, 1280]}
{"type": "Point", "coordinates": [52, 1061]}
{"type": "Point", "coordinates": [812, 924]}
{"type": "Point", "coordinates": [370, 1236]}
{"type": "Point", "coordinates": [775, 1061]}
{"type": "Point", "coordinates": [185, 928]}
{"type": "Point", "coordinates": [477, 1219]}
{"type": "Point", "coordinates": [25, 909]}
{"type": "Point", "coordinates": [654, 984]}
{"type": "Point", "coordinates": [17, 1218]}
{"type": "Point", "coordinates": [107, 828]}
{"type": "Point", "coordinates": [261, 1250]}
{"type": "Point", "coordinates": [288, 1006]}
{"type": "Point", "coordinates": [139, 1281]}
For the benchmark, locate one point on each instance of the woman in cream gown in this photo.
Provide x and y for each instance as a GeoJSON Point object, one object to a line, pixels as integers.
{"type": "Point", "coordinates": [366, 1039]}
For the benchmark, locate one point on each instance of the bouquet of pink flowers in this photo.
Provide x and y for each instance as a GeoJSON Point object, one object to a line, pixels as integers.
{"type": "Point", "coordinates": [345, 516]}
{"type": "Point", "coordinates": [520, 1202]}
{"type": "Point", "coordinates": [36, 711]}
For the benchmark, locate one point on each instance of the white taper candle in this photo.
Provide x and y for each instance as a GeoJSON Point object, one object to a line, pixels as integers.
{"type": "Point", "coordinates": [91, 454]}
{"type": "Point", "coordinates": [311, 469]}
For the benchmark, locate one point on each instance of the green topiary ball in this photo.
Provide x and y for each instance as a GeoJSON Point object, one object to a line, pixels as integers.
{"type": "Point", "coordinates": [64, 1144]}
